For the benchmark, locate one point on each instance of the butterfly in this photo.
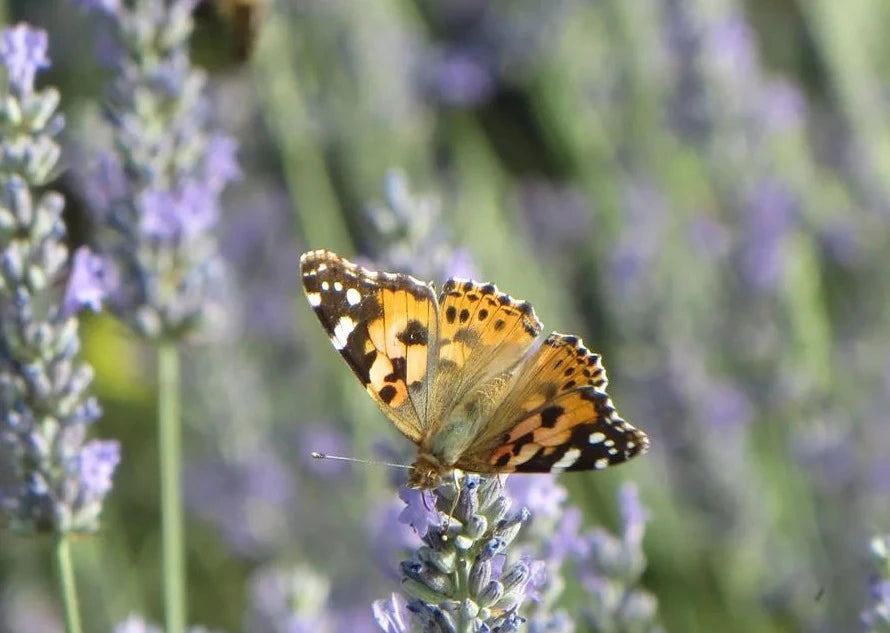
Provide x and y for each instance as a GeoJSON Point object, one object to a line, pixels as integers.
{"type": "Point", "coordinates": [465, 375]}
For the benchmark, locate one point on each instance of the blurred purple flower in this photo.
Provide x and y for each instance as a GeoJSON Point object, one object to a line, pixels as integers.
{"type": "Point", "coordinates": [877, 616]}
{"type": "Point", "coordinates": [726, 406]}
{"type": "Point", "coordinates": [288, 601]}
{"type": "Point", "coordinates": [420, 510]}
{"type": "Point", "coordinates": [221, 163]}
{"type": "Point", "coordinates": [770, 213]}
{"type": "Point", "coordinates": [97, 461]}
{"type": "Point", "coordinates": [729, 45]}
{"type": "Point", "coordinates": [633, 258]}
{"type": "Point", "coordinates": [782, 106]}
{"type": "Point", "coordinates": [541, 494]}
{"type": "Point", "coordinates": [107, 6]}
{"type": "Point", "coordinates": [392, 615]}
{"type": "Point", "coordinates": [558, 216]}
{"type": "Point", "coordinates": [462, 265]}
{"type": "Point", "coordinates": [23, 52]}
{"type": "Point", "coordinates": [244, 500]}
{"type": "Point", "coordinates": [459, 80]}
{"type": "Point", "coordinates": [634, 515]}
{"type": "Point", "coordinates": [324, 438]}
{"type": "Point", "coordinates": [392, 538]}
{"type": "Point", "coordinates": [90, 281]}
{"type": "Point", "coordinates": [567, 540]}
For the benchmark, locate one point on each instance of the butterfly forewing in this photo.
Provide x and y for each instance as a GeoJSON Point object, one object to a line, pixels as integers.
{"type": "Point", "coordinates": [384, 326]}
{"type": "Point", "coordinates": [482, 333]}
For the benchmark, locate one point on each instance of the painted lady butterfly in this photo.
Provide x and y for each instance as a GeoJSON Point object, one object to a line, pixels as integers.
{"type": "Point", "coordinates": [462, 378]}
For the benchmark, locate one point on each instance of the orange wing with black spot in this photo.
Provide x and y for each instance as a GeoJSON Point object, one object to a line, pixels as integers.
{"type": "Point", "coordinates": [578, 430]}
{"type": "Point", "coordinates": [483, 333]}
{"type": "Point", "coordinates": [555, 416]}
{"type": "Point", "coordinates": [384, 325]}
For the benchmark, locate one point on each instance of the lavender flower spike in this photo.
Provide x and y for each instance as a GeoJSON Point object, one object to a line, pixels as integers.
{"type": "Point", "coordinates": [456, 582]}
{"type": "Point", "coordinates": [877, 617]}
{"type": "Point", "coordinates": [50, 478]}
{"type": "Point", "coordinates": [157, 194]}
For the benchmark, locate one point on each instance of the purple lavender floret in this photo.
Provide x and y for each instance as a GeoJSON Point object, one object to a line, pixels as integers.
{"type": "Point", "coordinates": [157, 194]}
{"type": "Point", "coordinates": [611, 571]}
{"type": "Point", "coordinates": [411, 235]}
{"type": "Point", "coordinates": [877, 617]}
{"type": "Point", "coordinates": [23, 52]}
{"type": "Point", "coordinates": [50, 478]}
{"type": "Point", "coordinates": [458, 579]}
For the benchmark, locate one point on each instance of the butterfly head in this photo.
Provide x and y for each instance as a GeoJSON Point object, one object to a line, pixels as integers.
{"type": "Point", "coordinates": [427, 472]}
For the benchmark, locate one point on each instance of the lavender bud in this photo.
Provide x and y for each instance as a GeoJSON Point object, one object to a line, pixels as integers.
{"type": "Point", "coordinates": [492, 592]}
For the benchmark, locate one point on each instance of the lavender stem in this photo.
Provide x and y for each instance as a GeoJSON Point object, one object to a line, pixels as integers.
{"type": "Point", "coordinates": [170, 451]}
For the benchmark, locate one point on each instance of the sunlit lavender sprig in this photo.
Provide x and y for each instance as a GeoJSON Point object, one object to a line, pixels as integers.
{"type": "Point", "coordinates": [157, 193]}
{"type": "Point", "coordinates": [551, 537]}
{"type": "Point", "coordinates": [612, 570]}
{"type": "Point", "coordinates": [289, 601]}
{"type": "Point", "coordinates": [877, 617]}
{"type": "Point", "coordinates": [50, 478]}
{"type": "Point", "coordinates": [411, 235]}
{"type": "Point", "coordinates": [456, 581]}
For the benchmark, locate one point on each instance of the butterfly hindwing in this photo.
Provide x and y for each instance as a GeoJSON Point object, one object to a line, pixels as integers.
{"type": "Point", "coordinates": [384, 325]}
{"type": "Point", "coordinates": [577, 430]}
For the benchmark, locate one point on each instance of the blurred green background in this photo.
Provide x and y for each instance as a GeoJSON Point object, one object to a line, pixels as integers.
{"type": "Point", "coordinates": [698, 188]}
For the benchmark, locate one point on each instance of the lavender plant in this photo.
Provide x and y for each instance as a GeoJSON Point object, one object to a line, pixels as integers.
{"type": "Point", "coordinates": [51, 478]}
{"type": "Point", "coordinates": [612, 571]}
{"type": "Point", "coordinates": [156, 198]}
{"type": "Point", "coordinates": [877, 617]}
{"type": "Point", "coordinates": [410, 235]}
{"type": "Point", "coordinates": [456, 581]}
{"type": "Point", "coordinates": [608, 566]}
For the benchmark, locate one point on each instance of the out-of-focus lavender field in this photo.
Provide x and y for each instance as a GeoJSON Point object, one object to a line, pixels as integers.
{"type": "Point", "coordinates": [698, 188]}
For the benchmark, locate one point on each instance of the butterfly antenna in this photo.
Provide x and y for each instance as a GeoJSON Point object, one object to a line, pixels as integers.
{"type": "Point", "coordinates": [317, 455]}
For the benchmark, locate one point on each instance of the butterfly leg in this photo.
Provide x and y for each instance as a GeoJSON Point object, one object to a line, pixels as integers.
{"type": "Point", "coordinates": [453, 506]}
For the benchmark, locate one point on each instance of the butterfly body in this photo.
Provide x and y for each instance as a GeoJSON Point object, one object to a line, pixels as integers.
{"type": "Point", "coordinates": [465, 376]}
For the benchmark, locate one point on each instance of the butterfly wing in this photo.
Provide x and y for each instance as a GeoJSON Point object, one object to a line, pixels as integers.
{"type": "Point", "coordinates": [555, 417]}
{"type": "Point", "coordinates": [384, 325]}
{"type": "Point", "coordinates": [482, 334]}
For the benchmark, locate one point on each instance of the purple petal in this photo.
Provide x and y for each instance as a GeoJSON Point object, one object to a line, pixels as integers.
{"type": "Point", "coordinates": [97, 462]}
{"type": "Point", "coordinates": [392, 615]}
{"type": "Point", "coordinates": [90, 282]}
{"type": "Point", "coordinates": [420, 510]}
{"type": "Point", "coordinates": [23, 53]}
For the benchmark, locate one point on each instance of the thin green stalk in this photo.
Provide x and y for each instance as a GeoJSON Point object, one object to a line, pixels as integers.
{"type": "Point", "coordinates": [169, 446]}
{"type": "Point", "coordinates": [67, 584]}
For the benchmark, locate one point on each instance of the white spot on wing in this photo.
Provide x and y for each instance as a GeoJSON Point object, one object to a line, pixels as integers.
{"type": "Point", "coordinates": [314, 298]}
{"type": "Point", "coordinates": [353, 296]}
{"type": "Point", "coordinates": [596, 437]}
{"type": "Point", "coordinates": [325, 285]}
{"type": "Point", "coordinates": [570, 457]}
{"type": "Point", "coordinates": [338, 286]}
{"type": "Point", "coordinates": [341, 332]}
{"type": "Point", "coordinates": [601, 463]}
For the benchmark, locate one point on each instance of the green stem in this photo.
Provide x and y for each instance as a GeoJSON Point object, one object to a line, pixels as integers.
{"type": "Point", "coordinates": [169, 440]}
{"type": "Point", "coordinates": [67, 584]}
